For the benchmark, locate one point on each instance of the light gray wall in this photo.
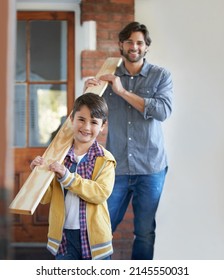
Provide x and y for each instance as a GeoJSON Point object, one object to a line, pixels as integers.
{"type": "Point", "coordinates": [188, 39]}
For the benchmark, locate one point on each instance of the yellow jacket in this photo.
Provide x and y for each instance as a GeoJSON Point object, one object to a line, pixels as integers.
{"type": "Point", "coordinates": [95, 193]}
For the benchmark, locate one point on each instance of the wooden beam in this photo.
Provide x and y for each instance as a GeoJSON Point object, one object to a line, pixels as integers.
{"type": "Point", "coordinates": [31, 193]}
{"type": "Point", "coordinates": [107, 68]}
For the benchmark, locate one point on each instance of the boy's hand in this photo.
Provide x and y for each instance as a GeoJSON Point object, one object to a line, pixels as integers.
{"type": "Point", "coordinates": [36, 162]}
{"type": "Point", "coordinates": [58, 169]}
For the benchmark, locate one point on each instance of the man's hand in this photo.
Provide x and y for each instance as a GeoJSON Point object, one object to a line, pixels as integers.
{"type": "Point", "coordinates": [91, 82]}
{"type": "Point", "coordinates": [115, 83]}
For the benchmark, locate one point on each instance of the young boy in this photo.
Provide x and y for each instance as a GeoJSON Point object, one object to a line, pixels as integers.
{"type": "Point", "coordinates": [79, 222]}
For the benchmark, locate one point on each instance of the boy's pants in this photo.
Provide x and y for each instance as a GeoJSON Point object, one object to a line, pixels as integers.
{"type": "Point", "coordinates": [73, 246]}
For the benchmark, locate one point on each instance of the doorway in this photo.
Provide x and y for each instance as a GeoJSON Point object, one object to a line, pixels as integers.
{"type": "Point", "coordinates": [44, 96]}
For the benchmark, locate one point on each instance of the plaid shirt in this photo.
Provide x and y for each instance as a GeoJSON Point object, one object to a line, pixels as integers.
{"type": "Point", "coordinates": [84, 169]}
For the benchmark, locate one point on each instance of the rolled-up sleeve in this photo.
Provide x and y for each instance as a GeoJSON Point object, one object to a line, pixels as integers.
{"type": "Point", "coordinates": [159, 106]}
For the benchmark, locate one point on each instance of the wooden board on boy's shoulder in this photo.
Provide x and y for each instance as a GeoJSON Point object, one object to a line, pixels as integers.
{"type": "Point", "coordinates": [32, 191]}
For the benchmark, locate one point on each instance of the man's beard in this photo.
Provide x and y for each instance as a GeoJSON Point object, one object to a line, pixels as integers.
{"type": "Point", "coordinates": [129, 58]}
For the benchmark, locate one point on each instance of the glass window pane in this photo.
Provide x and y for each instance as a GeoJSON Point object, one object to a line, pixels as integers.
{"type": "Point", "coordinates": [48, 110]}
{"type": "Point", "coordinates": [48, 50]}
{"type": "Point", "coordinates": [20, 116]}
{"type": "Point", "coordinates": [21, 52]}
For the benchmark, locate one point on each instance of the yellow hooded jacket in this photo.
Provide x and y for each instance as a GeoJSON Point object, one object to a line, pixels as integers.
{"type": "Point", "coordinates": [95, 193]}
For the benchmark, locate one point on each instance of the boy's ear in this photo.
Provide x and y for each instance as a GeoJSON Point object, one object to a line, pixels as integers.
{"type": "Point", "coordinates": [103, 126]}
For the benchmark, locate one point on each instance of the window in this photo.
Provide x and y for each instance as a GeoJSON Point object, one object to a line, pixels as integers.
{"type": "Point", "coordinates": [44, 84]}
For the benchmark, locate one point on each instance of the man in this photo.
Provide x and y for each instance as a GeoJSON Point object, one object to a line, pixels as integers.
{"type": "Point", "coordinates": [139, 97]}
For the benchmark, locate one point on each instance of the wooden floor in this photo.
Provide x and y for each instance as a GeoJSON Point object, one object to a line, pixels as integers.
{"type": "Point", "coordinates": [38, 251]}
{"type": "Point", "coordinates": [34, 251]}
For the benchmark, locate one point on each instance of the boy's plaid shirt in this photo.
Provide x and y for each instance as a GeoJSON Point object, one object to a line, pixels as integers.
{"type": "Point", "coordinates": [85, 170]}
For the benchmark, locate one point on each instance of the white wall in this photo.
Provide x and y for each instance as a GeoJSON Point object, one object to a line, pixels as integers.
{"type": "Point", "coordinates": [188, 39]}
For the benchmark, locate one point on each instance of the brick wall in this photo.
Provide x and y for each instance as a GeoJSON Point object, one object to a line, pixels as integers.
{"type": "Point", "coordinates": [110, 16]}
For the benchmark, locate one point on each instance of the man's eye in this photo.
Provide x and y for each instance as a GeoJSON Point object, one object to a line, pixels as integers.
{"type": "Point", "coordinates": [140, 43]}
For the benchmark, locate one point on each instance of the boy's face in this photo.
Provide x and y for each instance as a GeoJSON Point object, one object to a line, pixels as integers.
{"type": "Point", "coordinates": [86, 129]}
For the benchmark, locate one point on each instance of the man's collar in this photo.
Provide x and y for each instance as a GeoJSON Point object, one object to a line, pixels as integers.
{"type": "Point", "coordinates": [121, 70]}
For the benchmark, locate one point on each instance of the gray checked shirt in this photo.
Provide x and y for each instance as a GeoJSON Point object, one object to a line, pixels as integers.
{"type": "Point", "coordinates": [136, 139]}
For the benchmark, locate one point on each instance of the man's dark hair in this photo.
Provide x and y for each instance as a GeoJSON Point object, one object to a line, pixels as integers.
{"type": "Point", "coordinates": [96, 104]}
{"type": "Point", "coordinates": [134, 27]}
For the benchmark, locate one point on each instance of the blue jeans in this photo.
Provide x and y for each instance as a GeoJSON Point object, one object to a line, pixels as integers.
{"type": "Point", "coordinates": [145, 192]}
{"type": "Point", "coordinates": [74, 251]}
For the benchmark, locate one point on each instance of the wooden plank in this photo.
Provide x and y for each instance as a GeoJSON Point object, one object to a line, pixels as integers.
{"type": "Point", "coordinates": [32, 191]}
{"type": "Point", "coordinates": [107, 68]}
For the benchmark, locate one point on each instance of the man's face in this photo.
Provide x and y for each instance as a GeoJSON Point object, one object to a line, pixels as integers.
{"type": "Point", "coordinates": [134, 48]}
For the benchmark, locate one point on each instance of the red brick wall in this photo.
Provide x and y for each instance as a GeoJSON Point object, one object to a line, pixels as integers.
{"type": "Point", "coordinates": [110, 16]}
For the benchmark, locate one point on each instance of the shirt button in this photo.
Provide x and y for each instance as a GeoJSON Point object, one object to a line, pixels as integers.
{"type": "Point", "coordinates": [110, 93]}
{"type": "Point", "coordinates": [130, 155]}
{"type": "Point", "coordinates": [132, 78]}
{"type": "Point", "coordinates": [129, 138]}
{"type": "Point", "coordinates": [129, 122]}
